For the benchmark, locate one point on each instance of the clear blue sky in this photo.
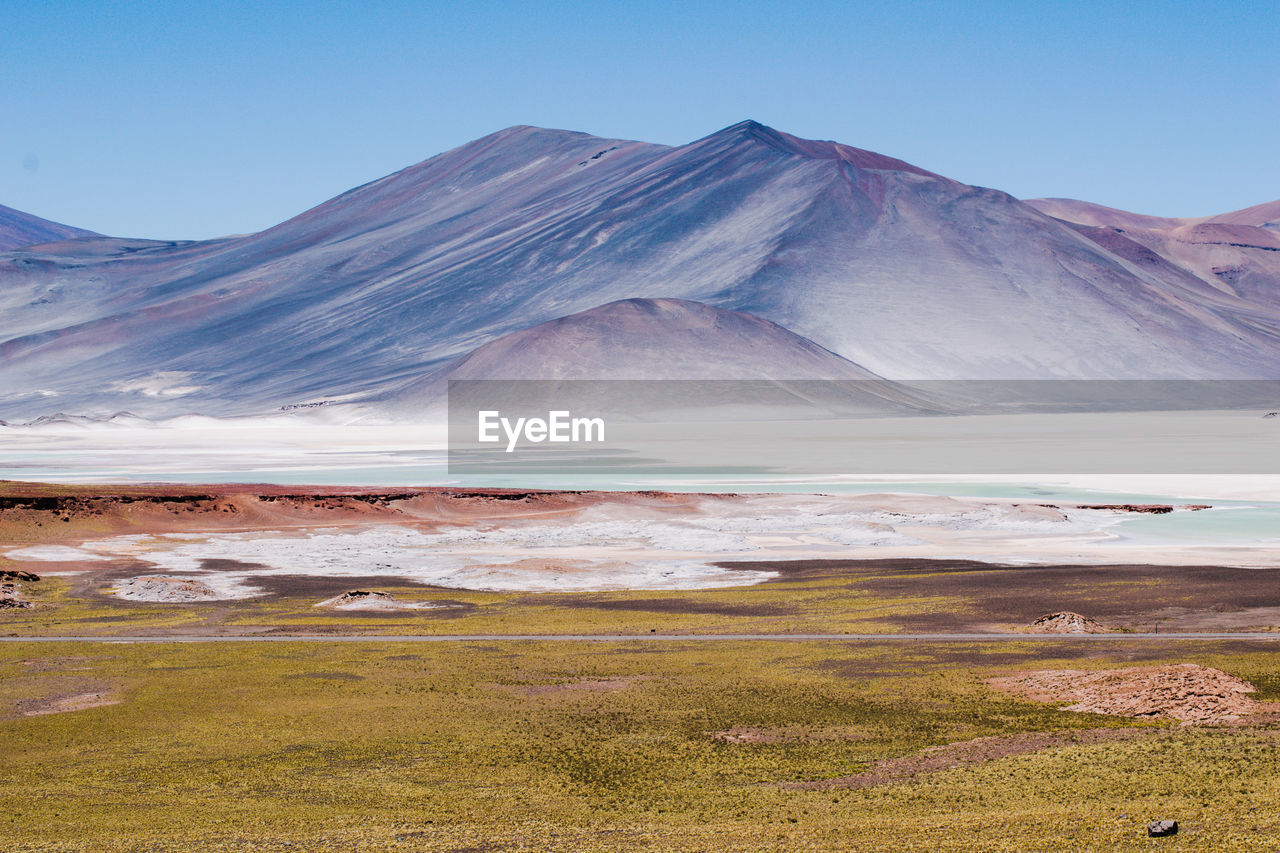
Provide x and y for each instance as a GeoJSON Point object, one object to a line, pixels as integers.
{"type": "Point", "coordinates": [186, 120]}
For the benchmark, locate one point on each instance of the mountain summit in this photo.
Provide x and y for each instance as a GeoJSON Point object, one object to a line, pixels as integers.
{"type": "Point", "coordinates": [753, 131]}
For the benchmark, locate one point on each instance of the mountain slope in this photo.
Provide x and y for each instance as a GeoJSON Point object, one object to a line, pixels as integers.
{"type": "Point", "coordinates": [1235, 253]}
{"type": "Point", "coordinates": [18, 229]}
{"type": "Point", "coordinates": [652, 339]}
{"type": "Point", "coordinates": [667, 339]}
{"type": "Point", "coordinates": [904, 272]}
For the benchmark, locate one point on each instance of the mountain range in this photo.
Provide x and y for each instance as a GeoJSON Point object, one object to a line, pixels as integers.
{"type": "Point", "coordinates": [535, 253]}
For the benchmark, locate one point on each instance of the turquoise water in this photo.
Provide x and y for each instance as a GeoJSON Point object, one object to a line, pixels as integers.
{"type": "Point", "coordinates": [1258, 524]}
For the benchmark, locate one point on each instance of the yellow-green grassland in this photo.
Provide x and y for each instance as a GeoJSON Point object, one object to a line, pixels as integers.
{"type": "Point", "coordinates": [584, 746]}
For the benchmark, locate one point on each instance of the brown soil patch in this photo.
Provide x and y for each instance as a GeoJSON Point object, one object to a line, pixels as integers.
{"type": "Point", "coordinates": [75, 702]}
{"type": "Point", "coordinates": [749, 734]}
{"type": "Point", "coordinates": [70, 663]}
{"type": "Point", "coordinates": [954, 755]}
{"type": "Point", "coordinates": [1186, 692]}
{"type": "Point", "coordinates": [763, 735]}
{"type": "Point", "coordinates": [38, 695]}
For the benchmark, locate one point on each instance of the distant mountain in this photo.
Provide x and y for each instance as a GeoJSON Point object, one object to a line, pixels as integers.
{"type": "Point", "coordinates": [652, 339]}
{"type": "Point", "coordinates": [1237, 252]}
{"type": "Point", "coordinates": [18, 229]}
{"type": "Point", "coordinates": [890, 267]}
{"type": "Point", "coordinates": [1087, 213]}
{"type": "Point", "coordinates": [668, 339]}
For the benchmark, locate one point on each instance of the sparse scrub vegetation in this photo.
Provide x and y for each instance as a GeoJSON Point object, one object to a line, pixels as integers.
{"type": "Point", "coordinates": [595, 747]}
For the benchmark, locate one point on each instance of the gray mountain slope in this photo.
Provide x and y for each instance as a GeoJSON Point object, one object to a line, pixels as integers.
{"type": "Point", "coordinates": [894, 268]}
{"type": "Point", "coordinates": [18, 229]}
{"type": "Point", "coordinates": [639, 345]}
{"type": "Point", "coordinates": [650, 339]}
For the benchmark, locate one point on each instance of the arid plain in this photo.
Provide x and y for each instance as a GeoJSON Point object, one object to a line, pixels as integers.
{"type": "Point", "coordinates": [460, 669]}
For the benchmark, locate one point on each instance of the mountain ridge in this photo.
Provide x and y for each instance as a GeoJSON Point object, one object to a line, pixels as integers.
{"type": "Point", "coordinates": [19, 229]}
{"type": "Point", "coordinates": [818, 149]}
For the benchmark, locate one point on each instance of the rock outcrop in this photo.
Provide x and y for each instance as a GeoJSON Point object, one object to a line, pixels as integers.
{"type": "Point", "coordinates": [372, 599]}
{"type": "Point", "coordinates": [1066, 622]}
{"type": "Point", "coordinates": [11, 598]}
